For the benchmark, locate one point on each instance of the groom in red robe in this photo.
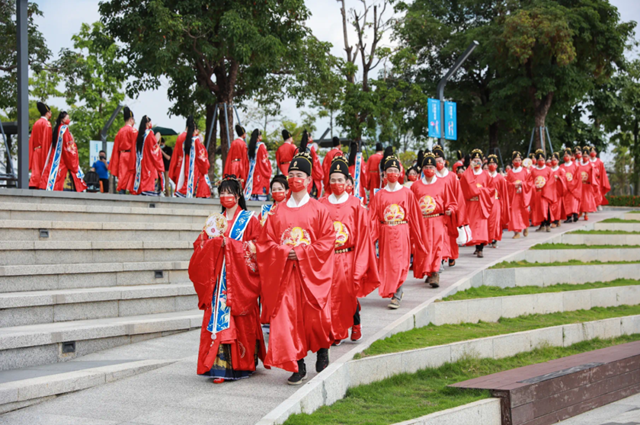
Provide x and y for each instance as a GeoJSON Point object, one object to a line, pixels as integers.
{"type": "Point", "coordinates": [295, 254]}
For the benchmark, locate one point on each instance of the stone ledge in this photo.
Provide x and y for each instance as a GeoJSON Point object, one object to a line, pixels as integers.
{"type": "Point", "coordinates": [95, 225]}
{"type": "Point", "coordinates": [57, 269]}
{"type": "Point", "coordinates": [563, 255]}
{"type": "Point", "coordinates": [626, 227]}
{"type": "Point", "coordinates": [595, 239]}
{"type": "Point", "coordinates": [481, 412]}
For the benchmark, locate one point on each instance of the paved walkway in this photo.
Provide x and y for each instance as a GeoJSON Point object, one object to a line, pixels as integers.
{"type": "Point", "coordinates": [623, 412]}
{"type": "Point", "coordinates": [175, 395]}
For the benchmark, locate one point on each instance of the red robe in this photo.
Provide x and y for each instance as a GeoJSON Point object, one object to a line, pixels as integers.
{"type": "Point", "coordinates": [355, 273]}
{"type": "Point", "coordinates": [237, 162]}
{"type": "Point", "coordinates": [201, 168]}
{"type": "Point", "coordinates": [479, 198]}
{"type": "Point", "coordinates": [458, 218]}
{"type": "Point", "coordinates": [519, 198]}
{"type": "Point", "coordinates": [243, 286]}
{"type": "Point", "coordinates": [69, 165]}
{"type": "Point", "coordinates": [151, 165]}
{"type": "Point", "coordinates": [261, 172]}
{"type": "Point", "coordinates": [373, 173]}
{"type": "Point", "coordinates": [317, 171]}
{"type": "Point", "coordinates": [395, 240]}
{"type": "Point", "coordinates": [123, 157]}
{"type": "Point", "coordinates": [326, 165]}
{"type": "Point", "coordinates": [589, 185]}
{"type": "Point", "coordinates": [501, 211]}
{"type": "Point", "coordinates": [295, 294]}
{"type": "Point", "coordinates": [284, 155]}
{"type": "Point", "coordinates": [573, 194]}
{"type": "Point", "coordinates": [39, 144]}
{"type": "Point", "coordinates": [544, 194]}
{"type": "Point", "coordinates": [433, 200]}
{"type": "Point", "coordinates": [557, 208]}
{"type": "Point", "coordinates": [605, 186]}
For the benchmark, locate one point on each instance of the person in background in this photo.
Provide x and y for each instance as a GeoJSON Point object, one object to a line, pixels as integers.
{"type": "Point", "coordinates": [166, 159]}
{"type": "Point", "coordinates": [149, 167]}
{"type": "Point", "coordinates": [336, 150]}
{"type": "Point", "coordinates": [237, 162]}
{"type": "Point", "coordinates": [39, 143]}
{"type": "Point", "coordinates": [101, 167]}
{"type": "Point", "coordinates": [123, 157]}
{"type": "Point", "coordinates": [285, 152]}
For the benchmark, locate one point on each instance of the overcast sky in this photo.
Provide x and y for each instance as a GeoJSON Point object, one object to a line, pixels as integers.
{"type": "Point", "coordinates": [63, 19]}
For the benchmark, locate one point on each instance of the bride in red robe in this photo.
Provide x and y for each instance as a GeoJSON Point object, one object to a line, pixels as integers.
{"type": "Point", "coordinates": [191, 178]}
{"type": "Point", "coordinates": [501, 211]}
{"type": "Point", "coordinates": [237, 162]}
{"type": "Point", "coordinates": [573, 194]}
{"type": "Point", "coordinates": [544, 193]}
{"type": "Point", "coordinates": [148, 176]}
{"type": "Point", "coordinates": [519, 186]}
{"type": "Point", "coordinates": [224, 272]}
{"type": "Point", "coordinates": [297, 245]}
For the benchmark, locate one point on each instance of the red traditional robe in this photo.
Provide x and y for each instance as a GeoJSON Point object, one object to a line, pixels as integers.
{"type": "Point", "coordinates": [395, 218]}
{"type": "Point", "coordinates": [373, 173]}
{"type": "Point", "coordinates": [458, 218]}
{"type": "Point", "coordinates": [317, 171]}
{"type": "Point", "coordinates": [284, 155]}
{"type": "Point", "coordinates": [479, 197]}
{"type": "Point", "coordinates": [151, 166]}
{"type": "Point", "coordinates": [557, 208]}
{"type": "Point", "coordinates": [355, 272]}
{"type": "Point", "coordinates": [589, 185]}
{"type": "Point", "coordinates": [295, 294]}
{"type": "Point", "coordinates": [520, 188]}
{"type": "Point", "coordinates": [573, 194]}
{"type": "Point", "coordinates": [603, 180]}
{"type": "Point", "coordinates": [201, 168]}
{"type": "Point", "coordinates": [39, 144]}
{"type": "Point", "coordinates": [68, 168]}
{"type": "Point", "coordinates": [544, 194]}
{"type": "Point", "coordinates": [501, 211]}
{"type": "Point", "coordinates": [237, 162]}
{"type": "Point", "coordinates": [261, 172]}
{"type": "Point", "coordinates": [123, 157]}
{"type": "Point", "coordinates": [326, 165]}
{"type": "Point", "coordinates": [433, 200]}
{"type": "Point", "coordinates": [244, 334]}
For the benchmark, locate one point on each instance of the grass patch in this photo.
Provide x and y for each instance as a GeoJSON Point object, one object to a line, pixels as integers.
{"type": "Point", "coordinates": [520, 264]}
{"type": "Point", "coordinates": [410, 396]}
{"type": "Point", "coordinates": [603, 232]}
{"type": "Point", "coordinates": [567, 246]}
{"type": "Point", "coordinates": [431, 335]}
{"type": "Point", "coordinates": [618, 220]}
{"type": "Point", "coordinates": [494, 291]}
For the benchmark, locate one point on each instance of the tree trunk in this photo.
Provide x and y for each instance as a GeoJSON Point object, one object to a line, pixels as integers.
{"type": "Point", "coordinates": [227, 134]}
{"type": "Point", "coordinates": [213, 143]}
{"type": "Point", "coordinates": [493, 137]}
{"type": "Point", "coordinates": [541, 109]}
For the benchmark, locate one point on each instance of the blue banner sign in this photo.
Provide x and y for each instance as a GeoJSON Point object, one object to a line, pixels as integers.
{"type": "Point", "coordinates": [434, 118]}
{"type": "Point", "coordinates": [450, 121]}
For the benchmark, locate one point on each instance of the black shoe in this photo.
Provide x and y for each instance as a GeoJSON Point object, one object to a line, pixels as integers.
{"type": "Point", "coordinates": [575, 218]}
{"type": "Point", "coordinates": [300, 375]}
{"type": "Point", "coordinates": [569, 220]}
{"type": "Point", "coordinates": [452, 262]}
{"type": "Point", "coordinates": [323, 359]}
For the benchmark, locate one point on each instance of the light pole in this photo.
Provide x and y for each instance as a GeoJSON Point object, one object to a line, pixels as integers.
{"type": "Point", "coordinates": [23, 94]}
{"type": "Point", "coordinates": [443, 82]}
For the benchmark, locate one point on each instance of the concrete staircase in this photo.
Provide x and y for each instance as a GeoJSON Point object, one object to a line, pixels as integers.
{"type": "Point", "coordinates": [80, 273]}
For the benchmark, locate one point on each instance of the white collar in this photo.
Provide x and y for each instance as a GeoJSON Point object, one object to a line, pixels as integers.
{"type": "Point", "coordinates": [424, 180]}
{"type": "Point", "coordinates": [568, 164]}
{"type": "Point", "coordinates": [585, 163]}
{"type": "Point", "coordinates": [556, 168]}
{"type": "Point", "coordinates": [495, 173]}
{"type": "Point", "coordinates": [334, 200]}
{"type": "Point", "coordinates": [444, 173]}
{"type": "Point", "coordinates": [478, 173]}
{"type": "Point", "coordinates": [517, 170]}
{"type": "Point", "coordinates": [398, 187]}
{"type": "Point", "coordinates": [291, 203]}
{"type": "Point", "coordinates": [287, 141]}
{"type": "Point", "coordinates": [593, 159]}
{"type": "Point", "coordinates": [543, 167]}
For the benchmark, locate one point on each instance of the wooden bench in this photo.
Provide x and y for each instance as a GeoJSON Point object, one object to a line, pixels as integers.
{"type": "Point", "coordinates": [550, 392]}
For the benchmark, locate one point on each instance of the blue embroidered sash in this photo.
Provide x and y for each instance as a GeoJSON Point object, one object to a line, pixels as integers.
{"type": "Point", "coordinates": [266, 208]}
{"type": "Point", "coordinates": [221, 315]}
{"type": "Point", "coordinates": [248, 188]}
{"type": "Point", "coordinates": [136, 182]}
{"type": "Point", "coordinates": [190, 185]}
{"type": "Point", "coordinates": [356, 177]}
{"type": "Point", "coordinates": [55, 162]}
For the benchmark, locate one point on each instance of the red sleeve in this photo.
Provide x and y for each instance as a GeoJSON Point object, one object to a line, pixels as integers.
{"type": "Point", "coordinates": [415, 224]}
{"type": "Point", "coordinates": [202, 158]}
{"type": "Point", "coordinates": [204, 268]}
{"type": "Point", "coordinates": [115, 156]}
{"type": "Point", "coordinates": [34, 133]}
{"type": "Point", "coordinates": [70, 152]}
{"type": "Point", "coordinates": [365, 274]}
{"type": "Point", "coordinates": [155, 155]}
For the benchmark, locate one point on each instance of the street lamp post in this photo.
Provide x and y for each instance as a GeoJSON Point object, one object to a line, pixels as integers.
{"type": "Point", "coordinates": [23, 94]}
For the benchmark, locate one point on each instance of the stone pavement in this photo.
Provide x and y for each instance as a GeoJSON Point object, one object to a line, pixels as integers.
{"type": "Point", "coordinates": [176, 395]}
{"type": "Point", "coordinates": [623, 412]}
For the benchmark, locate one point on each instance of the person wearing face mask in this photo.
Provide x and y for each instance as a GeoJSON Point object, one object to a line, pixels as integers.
{"type": "Point", "coordinates": [285, 152]}
{"type": "Point", "coordinates": [355, 273]}
{"type": "Point", "coordinates": [39, 143]}
{"type": "Point", "coordinates": [458, 218]}
{"type": "Point", "coordinates": [412, 176]}
{"type": "Point", "coordinates": [237, 162]}
{"type": "Point", "coordinates": [395, 218]}
{"type": "Point", "coordinates": [603, 178]}
{"type": "Point", "coordinates": [317, 176]}
{"type": "Point", "coordinates": [297, 246]}
{"type": "Point", "coordinates": [189, 164]}
{"type": "Point", "coordinates": [519, 185]}
{"type": "Point", "coordinates": [556, 209]}
{"type": "Point", "coordinates": [61, 169]}
{"type": "Point", "coordinates": [224, 273]}
{"type": "Point", "coordinates": [279, 188]}
{"type": "Point", "coordinates": [349, 187]}
{"type": "Point", "coordinates": [257, 187]}
{"type": "Point", "coordinates": [123, 157]}
{"type": "Point", "coordinates": [501, 211]}
{"type": "Point", "coordinates": [573, 194]}
{"type": "Point", "coordinates": [373, 170]}
{"type": "Point", "coordinates": [597, 193]}
{"type": "Point", "coordinates": [437, 203]}
{"type": "Point", "coordinates": [479, 197]}
{"type": "Point", "coordinates": [336, 150]}
{"type": "Point", "coordinates": [543, 194]}
{"type": "Point", "coordinates": [149, 167]}
{"type": "Point", "coordinates": [101, 168]}
{"type": "Point", "coordinates": [587, 174]}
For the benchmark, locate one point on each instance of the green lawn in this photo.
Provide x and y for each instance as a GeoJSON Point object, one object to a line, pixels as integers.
{"type": "Point", "coordinates": [603, 232]}
{"type": "Point", "coordinates": [519, 264]}
{"type": "Point", "coordinates": [619, 220]}
{"type": "Point", "coordinates": [567, 246]}
{"type": "Point", "coordinates": [494, 291]}
{"type": "Point", "coordinates": [429, 336]}
{"type": "Point", "coordinates": [410, 396]}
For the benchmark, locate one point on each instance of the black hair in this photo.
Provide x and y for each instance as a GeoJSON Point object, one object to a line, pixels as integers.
{"type": "Point", "coordinates": [232, 186]}
{"type": "Point", "coordinates": [141, 131]}
{"type": "Point", "coordinates": [353, 150]}
{"type": "Point", "coordinates": [101, 152]}
{"type": "Point", "coordinates": [253, 142]}
{"type": "Point", "coordinates": [304, 142]}
{"type": "Point", "coordinates": [388, 151]}
{"type": "Point", "coordinates": [191, 127]}
{"type": "Point", "coordinates": [280, 178]}
{"type": "Point", "coordinates": [56, 128]}
{"type": "Point", "coordinates": [350, 179]}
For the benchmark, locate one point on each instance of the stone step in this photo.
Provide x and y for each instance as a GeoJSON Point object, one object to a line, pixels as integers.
{"type": "Point", "coordinates": [45, 230]}
{"type": "Point", "coordinates": [32, 345]}
{"type": "Point", "coordinates": [563, 255]}
{"type": "Point", "coordinates": [93, 275]}
{"type": "Point", "coordinates": [625, 227]}
{"type": "Point", "coordinates": [596, 239]}
{"type": "Point", "coordinates": [631, 216]}
{"type": "Point", "coordinates": [65, 252]}
{"type": "Point", "coordinates": [31, 308]}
